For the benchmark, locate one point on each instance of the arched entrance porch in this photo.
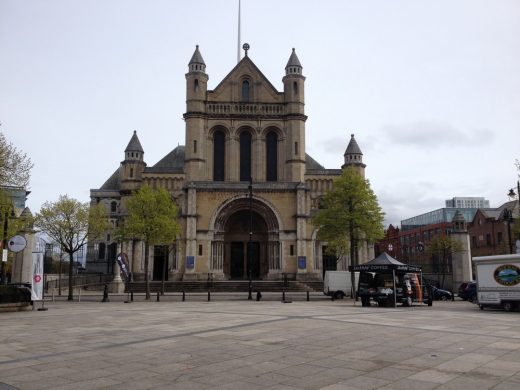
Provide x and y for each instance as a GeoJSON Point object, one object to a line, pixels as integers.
{"type": "Point", "coordinates": [231, 237]}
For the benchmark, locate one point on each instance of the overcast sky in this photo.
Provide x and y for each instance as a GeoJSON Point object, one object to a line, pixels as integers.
{"type": "Point", "coordinates": [431, 89]}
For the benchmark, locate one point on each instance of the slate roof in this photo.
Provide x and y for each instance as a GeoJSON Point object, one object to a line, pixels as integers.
{"type": "Point", "coordinates": [312, 164]}
{"type": "Point", "coordinates": [353, 147]}
{"type": "Point", "coordinates": [173, 162]}
{"type": "Point", "coordinates": [134, 145]}
{"type": "Point", "coordinates": [293, 60]}
{"type": "Point", "coordinates": [113, 183]}
{"type": "Point", "coordinates": [196, 58]}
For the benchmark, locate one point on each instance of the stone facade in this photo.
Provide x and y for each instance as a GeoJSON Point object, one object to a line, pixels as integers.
{"type": "Point", "coordinates": [243, 131]}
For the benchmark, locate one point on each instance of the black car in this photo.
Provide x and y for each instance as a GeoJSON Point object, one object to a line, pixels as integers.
{"type": "Point", "coordinates": [439, 294]}
{"type": "Point", "coordinates": [468, 291]}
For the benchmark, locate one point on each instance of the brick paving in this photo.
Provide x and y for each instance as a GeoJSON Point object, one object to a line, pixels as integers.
{"type": "Point", "coordinates": [239, 344]}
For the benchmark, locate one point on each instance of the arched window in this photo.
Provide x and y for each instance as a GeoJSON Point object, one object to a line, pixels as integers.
{"type": "Point", "coordinates": [271, 158]}
{"type": "Point", "coordinates": [245, 91]}
{"type": "Point", "coordinates": [219, 154]}
{"type": "Point", "coordinates": [295, 88]}
{"type": "Point", "coordinates": [245, 156]}
{"type": "Point", "coordinates": [196, 85]}
{"type": "Point", "coordinates": [113, 207]}
{"type": "Point", "coordinates": [131, 172]}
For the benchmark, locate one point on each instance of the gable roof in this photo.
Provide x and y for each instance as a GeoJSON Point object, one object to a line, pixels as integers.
{"type": "Point", "coordinates": [246, 61]}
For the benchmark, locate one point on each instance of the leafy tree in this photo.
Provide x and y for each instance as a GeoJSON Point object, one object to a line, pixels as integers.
{"type": "Point", "coordinates": [351, 214]}
{"type": "Point", "coordinates": [443, 248]}
{"type": "Point", "coordinates": [15, 166]}
{"type": "Point", "coordinates": [152, 218]}
{"type": "Point", "coordinates": [71, 223]}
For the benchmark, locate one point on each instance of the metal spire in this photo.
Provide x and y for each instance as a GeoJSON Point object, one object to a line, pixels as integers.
{"type": "Point", "coordinates": [238, 43]}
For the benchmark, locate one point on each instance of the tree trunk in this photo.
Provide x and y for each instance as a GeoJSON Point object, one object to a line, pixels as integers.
{"type": "Point", "coordinates": [146, 280]}
{"type": "Point", "coordinates": [71, 269]}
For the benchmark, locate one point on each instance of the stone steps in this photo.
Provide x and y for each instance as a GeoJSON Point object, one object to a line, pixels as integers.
{"type": "Point", "coordinates": [227, 286]}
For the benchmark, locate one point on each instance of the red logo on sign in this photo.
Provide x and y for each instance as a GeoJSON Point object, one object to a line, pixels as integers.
{"type": "Point", "coordinates": [37, 278]}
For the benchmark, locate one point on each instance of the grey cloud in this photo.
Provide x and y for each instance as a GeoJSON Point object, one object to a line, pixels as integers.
{"type": "Point", "coordinates": [434, 134]}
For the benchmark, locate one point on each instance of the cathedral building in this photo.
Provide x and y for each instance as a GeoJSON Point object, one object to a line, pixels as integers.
{"type": "Point", "coordinates": [242, 179]}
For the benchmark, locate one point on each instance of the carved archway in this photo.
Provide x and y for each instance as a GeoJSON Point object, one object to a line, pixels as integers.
{"type": "Point", "coordinates": [231, 235]}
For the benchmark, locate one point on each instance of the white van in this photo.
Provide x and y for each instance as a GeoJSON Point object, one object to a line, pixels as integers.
{"type": "Point", "coordinates": [337, 284]}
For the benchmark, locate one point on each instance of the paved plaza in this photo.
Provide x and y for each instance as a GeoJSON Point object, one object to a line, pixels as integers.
{"type": "Point", "coordinates": [240, 344]}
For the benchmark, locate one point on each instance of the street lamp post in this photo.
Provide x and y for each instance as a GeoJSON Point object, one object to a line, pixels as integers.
{"type": "Point", "coordinates": [250, 242]}
{"type": "Point", "coordinates": [508, 217]}
{"type": "Point", "coordinates": [4, 248]}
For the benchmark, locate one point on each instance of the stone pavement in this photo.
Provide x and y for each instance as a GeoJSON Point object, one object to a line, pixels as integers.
{"type": "Point", "coordinates": [240, 344]}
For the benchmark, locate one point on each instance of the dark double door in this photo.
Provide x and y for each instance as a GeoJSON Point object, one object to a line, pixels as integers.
{"type": "Point", "coordinates": [239, 260]}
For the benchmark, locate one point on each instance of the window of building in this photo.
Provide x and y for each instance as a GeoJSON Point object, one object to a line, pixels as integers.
{"type": "Point", "coordinates": [245, 91]}
{"type": "Point", "coordinates": [113, 207]}
{"type": "Point", "coordinates": [200, 249]}
{"type": "Point", "coordinates": [196, 85]}
{"type": "Point", "coordinates": [219, 153]}
{"type": "Point", "coordinates": [296, 148]}
{"type": "Point", "coordinates": [245, 156]}
{"type": "Point", "coordinates": [499, 237]}
{"type": "Point", "coordinates": [488, 239]}
{"type": "Point", "coordinates": [101, 251]}
{"type": "Point", "coordinates": [292, 250]}
{"type": "Point", "coordinates": [295, 88]}
{"type": "Point", "coordinates": [195, 146]}
{"type": "Point", "coordinates": [271, 141]}
{"type": "Point", "coordinates": [131, 172]}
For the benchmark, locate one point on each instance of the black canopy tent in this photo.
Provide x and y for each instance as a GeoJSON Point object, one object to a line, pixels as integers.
{"type": "Point", "coordinates": [384, 263]}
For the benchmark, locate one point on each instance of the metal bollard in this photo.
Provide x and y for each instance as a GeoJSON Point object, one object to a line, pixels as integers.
{"type": "Point", "coordinates": [183, 296]}
{"type": "Point", "coordinates": [283, 295]}
{"type": "Point", "coordinates": [79, 295]}
{"type": "Point", "coordinates": [105, 294]}
{"type": "Point", "coordinates": [158, 295]}
{"type": "Point", "coordinates": [209, 296]}
{"type": "Point", "coordinates": [132, 296]}
{"type": "Point", "coordinates": [258, 296]}
{"type": "Point", "coordinates": [308, 298]}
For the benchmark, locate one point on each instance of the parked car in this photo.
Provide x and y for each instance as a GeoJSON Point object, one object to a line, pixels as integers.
{"type": "Point", "coordinates": [439, 294]}
{"type": "Point", "coordinates": [468, 291]}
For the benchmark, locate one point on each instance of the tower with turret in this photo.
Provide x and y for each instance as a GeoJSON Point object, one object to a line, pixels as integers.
{"type": "Point", "coordinates": [294, 96]}
{"type": "Point", "coordinates": [133, 165]}
{"type": "Point", "coordinates": [353, 157]}
{"type": "Point", "coordinates": [196, 89]}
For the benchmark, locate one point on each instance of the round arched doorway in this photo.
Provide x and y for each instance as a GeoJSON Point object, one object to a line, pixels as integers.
{"type": "Point", "coordinates": [231, 240]}
{"type": "Point", "coordinates": [236, 238]}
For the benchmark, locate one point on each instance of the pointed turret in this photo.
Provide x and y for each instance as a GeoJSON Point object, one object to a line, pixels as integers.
{"type": "Point", "coordinates": [196, 96]}
{"type": "Point", "coordinates": [293, 65]}
{"type": "Point", "coordinates": [459, 222]}
{"type": "Point", "coordinates": [134, 146]}
{"type": "Point", "coordinates": [353, 156]}
{"type": "Point", "coordinates": [197, 64]}
{"type": "Point", "coordinates": [294, 96]}
{"type": "Point", "coordinates": [133, 165]}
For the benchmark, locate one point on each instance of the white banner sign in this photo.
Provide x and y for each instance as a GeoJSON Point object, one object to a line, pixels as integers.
{"type": "Point", "coordinates": [37, 277]}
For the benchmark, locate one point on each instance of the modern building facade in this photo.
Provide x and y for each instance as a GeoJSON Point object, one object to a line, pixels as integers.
{"type": "Point", "coordinates": [243, 164]}
{"type": "Point", "coordinates": [468, 202]}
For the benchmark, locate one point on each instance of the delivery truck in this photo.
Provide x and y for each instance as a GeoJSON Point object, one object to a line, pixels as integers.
{"type": "Point", "coordinates": [498, 281]}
